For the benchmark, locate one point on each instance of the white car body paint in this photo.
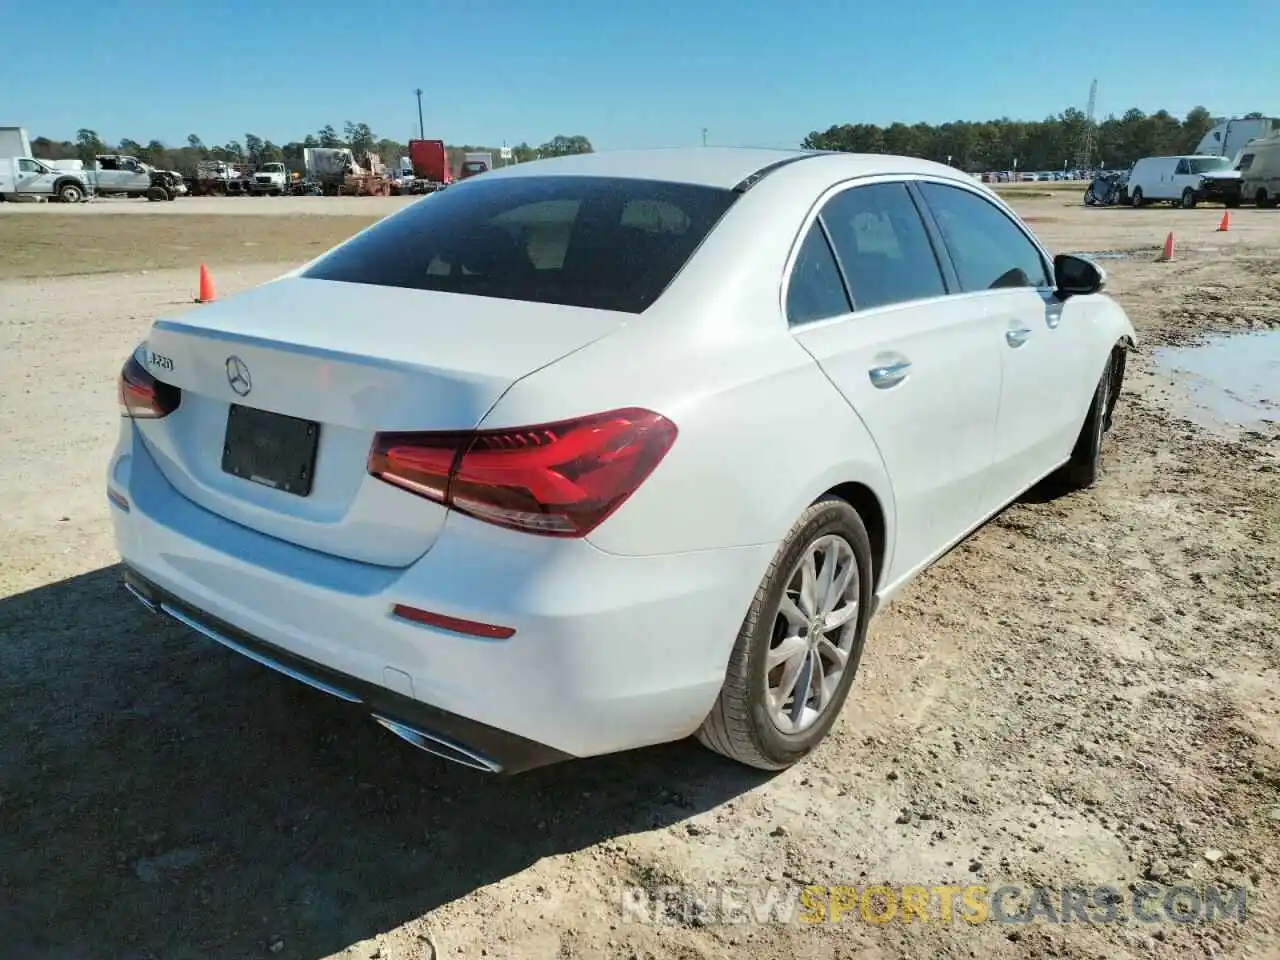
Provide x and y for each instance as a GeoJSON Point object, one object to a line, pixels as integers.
{"type": "Point", "coordinates": [622, 637]}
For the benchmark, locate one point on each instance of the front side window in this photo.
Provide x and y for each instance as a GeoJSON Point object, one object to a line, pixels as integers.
{"type": "Point", "coordinates": [989, 250]}
{"type": "Point", "coordinates": [1245, 162]}
{"type": "Point", "coordinates": [1182, 168]}
{"type": "Point", "coordinates": [600, 242]}
{"type": "Point", "coordinates": [882, 245]}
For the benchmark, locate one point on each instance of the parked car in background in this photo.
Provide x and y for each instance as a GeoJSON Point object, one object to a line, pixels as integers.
{"type": "Point", "coordinates": [1178, 180]}
{"type": "Point", "coordinates": [1106, 189]}
{"type": "Point", "coordinates": [1259, 169]}
{"type": "Point", "coordinates": [606, 450]}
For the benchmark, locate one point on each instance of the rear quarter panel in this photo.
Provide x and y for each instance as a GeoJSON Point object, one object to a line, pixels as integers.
{"type": "Point", "coordinates": [762, 434]}
{"type": "Point", "coordinates": [762, 431]}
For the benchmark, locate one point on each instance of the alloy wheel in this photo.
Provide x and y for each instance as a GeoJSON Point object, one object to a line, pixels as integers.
{"type": "Point", "coordinates": [814, 631]}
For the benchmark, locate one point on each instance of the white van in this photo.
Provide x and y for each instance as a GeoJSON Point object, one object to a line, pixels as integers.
{"type": "Point", "coordinates": [1174, 180]}
{"type": "Point", "coordinates": [1259, 167]}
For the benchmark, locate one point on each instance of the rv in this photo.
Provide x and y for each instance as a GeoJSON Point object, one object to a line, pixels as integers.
{"type": "Point", "coordinates": [1230, 136]}
{"type": "Point", "coordinates": [1259, 167]}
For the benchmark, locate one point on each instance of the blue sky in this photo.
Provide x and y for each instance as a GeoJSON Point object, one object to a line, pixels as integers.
{"type": "Point", "coordinates": [636, 74]}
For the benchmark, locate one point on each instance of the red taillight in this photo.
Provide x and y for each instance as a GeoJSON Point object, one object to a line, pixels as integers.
{"type": "Point", "coordinates": [559, 479]}
{"type": "Point", "coordinates": [142, 396]}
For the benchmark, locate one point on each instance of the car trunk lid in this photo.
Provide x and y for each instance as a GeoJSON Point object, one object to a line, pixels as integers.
{"type": "Point", "coordinates": [302, 368]}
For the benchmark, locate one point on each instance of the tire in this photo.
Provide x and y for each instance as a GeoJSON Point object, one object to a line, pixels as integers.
{"type": "Point", "coordinates": [1085, 466]}
{"type": "Point", "coordinates": [1263, 199]}
{"type": "Point", "coordinates": [1135, 197]}
{"type": "Point", "coordinates": [157, 194]}
{"type": "Point", "coordinates": [70, 193]}
{"type": "Point", "coordinates": [1231, 204]}
{"type": "Point", "coordinates": [1188, 199]}
{"type": "Point", "coordinates": [741, 725]}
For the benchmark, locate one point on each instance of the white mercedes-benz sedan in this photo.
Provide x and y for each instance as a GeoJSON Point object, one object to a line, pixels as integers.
{"type": "Point", "coordinates": [608, 450]}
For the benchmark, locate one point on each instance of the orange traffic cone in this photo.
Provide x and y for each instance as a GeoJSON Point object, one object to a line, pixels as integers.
{"type": "Point", "coordinates": [1226, 222]}
{"type": "Point", "coordinates": [206, 293]}
{"type": "Point", "coordinates": [1167, 254]}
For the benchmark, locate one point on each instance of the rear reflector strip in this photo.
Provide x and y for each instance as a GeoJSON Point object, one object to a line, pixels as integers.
{"type": "Point", "coordinates": [453, 624]}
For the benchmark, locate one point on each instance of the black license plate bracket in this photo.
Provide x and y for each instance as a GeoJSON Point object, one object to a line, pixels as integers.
{"type": "Point", "coordinates": [272, 449]}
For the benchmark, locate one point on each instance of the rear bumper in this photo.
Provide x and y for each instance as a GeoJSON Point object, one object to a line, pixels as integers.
{"type": "Point", "coordinates": [609, 652]}
{"type": "Point", "coordinates": [444, 734]}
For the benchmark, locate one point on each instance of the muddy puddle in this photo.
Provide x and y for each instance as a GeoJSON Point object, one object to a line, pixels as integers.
{"type": "Point", "coordinates": [1230, 381]}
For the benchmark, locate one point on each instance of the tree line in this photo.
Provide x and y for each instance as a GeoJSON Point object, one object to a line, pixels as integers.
{"type": "Point", "coordinates": [1049, 144]}
{"type": "Point", "coordinates": [256, 150]}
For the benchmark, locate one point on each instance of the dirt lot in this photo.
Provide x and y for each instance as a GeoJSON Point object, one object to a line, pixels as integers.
{"type": "Point", "coordinates": [1083, 693]}
{"type": "Point", "coordinates": [53, 240]}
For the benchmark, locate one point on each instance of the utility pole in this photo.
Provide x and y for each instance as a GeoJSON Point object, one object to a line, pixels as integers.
{"type": "Point", "coordinates": [422, 133]}
{"type": "Point", "coordinates": [1089, 136]}
{"type": "Point", "coordinates": [704, 136]}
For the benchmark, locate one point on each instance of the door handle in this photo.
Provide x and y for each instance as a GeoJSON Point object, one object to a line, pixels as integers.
{"type": "Point", "coordinates": [889, 375]}
{"type": "Point", "coordinates": [1017, 337]}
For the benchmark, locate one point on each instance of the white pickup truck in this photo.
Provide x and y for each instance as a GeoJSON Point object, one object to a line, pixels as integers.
{"type": "Point", "coordinates": [117, 175]}
{"type": "Point", "coordinates": [270, 178]}
{"type": "Point", "coordinates": [28, 177]}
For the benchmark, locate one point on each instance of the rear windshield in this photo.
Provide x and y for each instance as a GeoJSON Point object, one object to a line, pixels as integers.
{"type": "Point", "coordinates": [1209, 164]}
{"type": "Point", "coordinates": [602, 242]}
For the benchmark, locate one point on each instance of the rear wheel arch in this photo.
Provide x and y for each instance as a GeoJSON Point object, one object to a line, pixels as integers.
{"type": "Point", "coordinates": [864, 500]}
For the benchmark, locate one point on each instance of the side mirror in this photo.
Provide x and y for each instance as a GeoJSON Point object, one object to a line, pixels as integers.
{"type": "Point", "coordinates": [1076, 275]}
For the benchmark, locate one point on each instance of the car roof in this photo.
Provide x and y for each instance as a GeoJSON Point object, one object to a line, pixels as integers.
{"type": "Point", "coordinates": [724, 167]}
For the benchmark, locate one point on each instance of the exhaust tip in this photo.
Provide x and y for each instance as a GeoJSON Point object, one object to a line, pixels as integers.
{"type": "Point", "coordinates": [141, 597]}
{"type": "Point", "coordinates": [439, 746]}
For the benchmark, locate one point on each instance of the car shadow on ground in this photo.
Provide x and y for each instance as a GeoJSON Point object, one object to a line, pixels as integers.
{"type": "Point", "coordinates": [160, 796]}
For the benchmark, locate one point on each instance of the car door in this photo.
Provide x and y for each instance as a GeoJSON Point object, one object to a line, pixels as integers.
{"type": "Point", "coordinates": [1043, 343]}
{"type": "Point", "coordinates": [134, 177]}
{"type": "Point", "coordinates": [1184, 176]}
{"type": "Point", "coordinates": [868, 300]}
{"type": "Point", "coordinates": [33, 179]}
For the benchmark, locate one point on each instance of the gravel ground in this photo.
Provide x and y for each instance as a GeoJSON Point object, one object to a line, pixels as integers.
{"type": "Point", "coordinates": [1085, 692]}
{"type": "Point", "coordinates": [61, 245]}
{"type": "Point", "coordinates": [216, 206]}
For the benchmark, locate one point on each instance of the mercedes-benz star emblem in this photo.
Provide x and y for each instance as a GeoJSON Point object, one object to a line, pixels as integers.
{"type": "Point", "coordinates": [238, 376]}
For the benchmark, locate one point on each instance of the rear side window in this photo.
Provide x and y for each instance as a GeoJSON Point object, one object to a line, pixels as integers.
{"type": "Point", "coordinates": [600, 242]}
{"type": "Point", "coordinates": [989, 250]}
{"type": "Point", "coordinates": [882, 245]}
{"type": "Point", "coordinates": [816, 291]}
